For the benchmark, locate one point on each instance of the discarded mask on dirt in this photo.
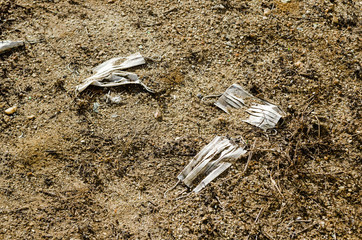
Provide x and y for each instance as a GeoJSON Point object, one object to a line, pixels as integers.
{"type": "Point", "coordinates": [264, 115]}
{"type": "Point", "coordinates": [207, 164]}
{"type": "Point", "coordinates": [233, 97]}
{"type": "Point", "coordinates": [110, 74]}
{"type": "Point", "coordinates": [7, 45]}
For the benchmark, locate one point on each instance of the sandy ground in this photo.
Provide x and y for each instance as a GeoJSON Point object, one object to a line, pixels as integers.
{"type": "Point", "coordinates": [70, 172]}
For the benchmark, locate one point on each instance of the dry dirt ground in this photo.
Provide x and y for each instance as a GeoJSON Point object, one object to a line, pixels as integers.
{"type": "Point", "coordinates": [70, 172]}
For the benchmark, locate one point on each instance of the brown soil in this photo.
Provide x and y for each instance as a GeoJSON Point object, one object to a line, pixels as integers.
{"type": "Point", "coordinates": [73, 173]}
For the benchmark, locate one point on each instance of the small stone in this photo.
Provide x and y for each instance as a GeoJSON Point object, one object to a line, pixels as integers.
{"type": "Point", "coordinates": [30, 117]}
{"type": "Point", "coordinates": [222, 120]}
{"type": "Point", "coordinates": [11, 110]}
{"type": "Point", "coordinates": [298, 64]}
{"type": "Point", "coordinates": [267, 11]}
{"type": "Point", "coordinates": [158, 115]}
{"type": "Point", "coordinates": [6, 119]}
{"type": "Point", "coordinates": [218, 7]}
{"type": "Point", "coordinates": [335, 20]}
{"type": "Point", "coordinates": [322, 224]}
{"type": "Point", "coordinates": [111, 1]}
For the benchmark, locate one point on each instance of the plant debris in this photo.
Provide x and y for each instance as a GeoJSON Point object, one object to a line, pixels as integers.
{"type": "Point", "coordinates": [208, 162]}
{"type": "Point", "coordinates": [108, 74]}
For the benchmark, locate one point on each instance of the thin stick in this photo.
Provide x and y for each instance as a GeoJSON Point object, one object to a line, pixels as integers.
{"type": "Point", "coordinates": [307, 221]}
{"type": "Point", "coordinates": [319, 127]}
{"type": "Point", "coordinates": [219, 202]}
{"type": "Point", "coordinates": [309, 101]}
{"type": "Point", "coordinates": [256, 220]}
{"type": "Point", "coordinates": [249, 158]}
{"type": "Point", "coordinates": [187, 195]}
{"type": "Point", "coordinates": [305, 229]}
{"type": "Point", "coordinates": [274, 183]}
{"type": "Point", "coordinates": [267, 235]}
{"type": "Point", "coordinates": [257, 217]}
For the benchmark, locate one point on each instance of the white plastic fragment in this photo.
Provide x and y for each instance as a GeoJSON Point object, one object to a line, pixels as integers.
{"type": "Point", "coordinates": [233, 97]}
{"type": "Point", "coordinates": [207, 163]}
{"type": "Point", "coordinates": [7, 45]}
{"type": "Point", "coordinates": [214, 174]}
{"type": "Point", "coordinates": [264, 116]}
{"type": "Point", "coordinates": [116, 99]}
{"type": "Point", "coordinates": [131, 61]}
{"type": "Point", "coordinates": [95, 107]}
{"type": "Point", "coordinates": [109, 74]}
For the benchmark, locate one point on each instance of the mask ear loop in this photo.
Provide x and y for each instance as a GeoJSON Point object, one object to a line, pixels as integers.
{"type": "Point", "coordinates": [164, 195]}
{"type": "Point", "coordinates": [210, 96]}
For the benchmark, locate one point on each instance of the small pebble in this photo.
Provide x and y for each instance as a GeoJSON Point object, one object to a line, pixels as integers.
{"type": "Point", "coordinates": [267, 11]}
{"type": "Point", "coordinates": [218, 7]}
{"type": "Point", "coordinates": [11, 110]}
{"type": "Point", "coordinates": [298, 64]}
{"type": "Point", "coordinates": [158, 115]}
{"type": "Point", "coordinates": [6, 119]}
{"type": "Point", "coordinates": [335, 20]}
{"type": "Point", "coordinates": [31, 117]}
